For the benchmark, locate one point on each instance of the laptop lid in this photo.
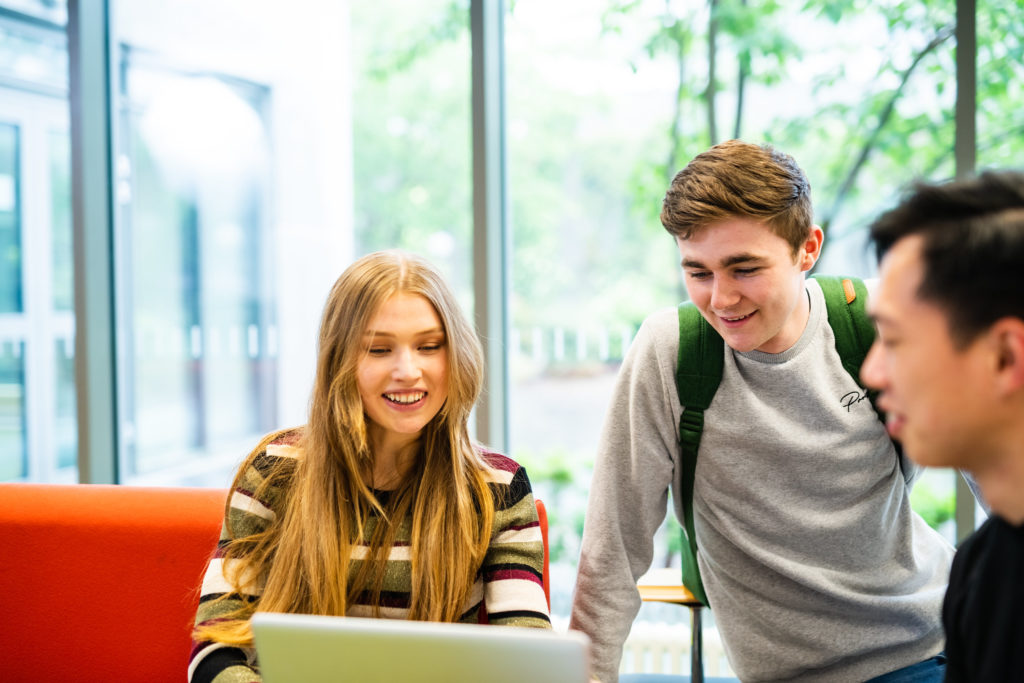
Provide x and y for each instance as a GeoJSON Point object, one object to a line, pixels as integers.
{"type": "Point", "coordinates": [301, 648]}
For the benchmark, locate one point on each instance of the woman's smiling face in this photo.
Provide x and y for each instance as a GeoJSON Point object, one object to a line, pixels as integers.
{"type": "Point", "coordinates": [403, 373]}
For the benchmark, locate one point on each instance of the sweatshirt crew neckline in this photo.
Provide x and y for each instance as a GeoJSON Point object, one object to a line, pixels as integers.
{"type": "Point", "coordinates": [815, 299]}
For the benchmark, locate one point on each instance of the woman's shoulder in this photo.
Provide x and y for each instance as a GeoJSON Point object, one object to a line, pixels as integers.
{"type": "Point", "coordinates": [276, 449]}
{"type": "Point", "coordinates": [285, 443]}
{"type": "Point", "coordinates": [498, 461]}
{"type": "Point", "coordinates": [503, 469]}
{"type": "Point", "coordinates": [269, 469]}
{"type": "Point", "coordinates": [510, 475]}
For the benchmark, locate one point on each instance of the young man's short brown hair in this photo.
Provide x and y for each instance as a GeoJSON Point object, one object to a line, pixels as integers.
{"type": "Point", "coordinates": [736, 179]}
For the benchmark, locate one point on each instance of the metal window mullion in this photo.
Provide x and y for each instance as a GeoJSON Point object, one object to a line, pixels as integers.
{"type": "Point", "coordinates": [964, 145]}
{"type": "Point", "coordinates": [965, 154]}
{"type": "Point", "coordinates": [92, 209]}
{"type": "Point", "coordinates": [491, 243]}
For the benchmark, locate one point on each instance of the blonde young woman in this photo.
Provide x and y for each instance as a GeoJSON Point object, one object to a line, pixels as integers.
{"type": "Point", "coordinates": [380, 506]}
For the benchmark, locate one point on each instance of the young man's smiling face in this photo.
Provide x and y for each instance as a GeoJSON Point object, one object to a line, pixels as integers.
{"type": "Point", "coordinates": [747, 282]}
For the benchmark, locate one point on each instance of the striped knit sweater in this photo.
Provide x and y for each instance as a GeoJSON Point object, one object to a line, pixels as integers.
{"type": "Point", "coordinates": [509, 582]}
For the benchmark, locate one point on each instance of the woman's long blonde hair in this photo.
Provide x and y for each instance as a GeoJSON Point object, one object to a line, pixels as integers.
{"type": "Point", "coordinates": [302, 559]}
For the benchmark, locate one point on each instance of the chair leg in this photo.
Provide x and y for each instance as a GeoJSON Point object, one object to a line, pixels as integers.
{"type": "Point", "coordinates": [696, 646]}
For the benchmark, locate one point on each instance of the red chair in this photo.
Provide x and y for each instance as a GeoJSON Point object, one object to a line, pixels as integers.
{"type": "Point", "coordinates": [542, 516]}
{"type": "Point", "coordinates": [100, 582]}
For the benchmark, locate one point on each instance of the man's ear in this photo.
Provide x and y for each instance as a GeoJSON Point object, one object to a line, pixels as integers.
{"type": "Point", "coordinates": [810, 250]}
{"type": "Point", "coordinates": [1007, 335]}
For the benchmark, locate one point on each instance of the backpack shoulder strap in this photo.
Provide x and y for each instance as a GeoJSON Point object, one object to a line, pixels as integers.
{"type": "Point", "coordinates": [698, 374]}
{"type": "Point", "coordinates": [845, 301]}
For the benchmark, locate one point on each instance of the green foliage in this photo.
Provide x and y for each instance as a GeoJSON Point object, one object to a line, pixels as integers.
{"type": "Point", "coordinates": [585, 209]}
{"type": "Point", "coordinates": [559, 477]}
{"type": "Point", "coordinates": [999, 74]}
{"type": "Point", "coordinates": [410, 134]}
{"type": "Point", "coordinates": [448, 23]}
{"type": "Point", "coordinates": [935, 506]}
{"type": "Point", "coordinates": [673, 539]}
{"type": "Point", "coordinates": [555, 466]}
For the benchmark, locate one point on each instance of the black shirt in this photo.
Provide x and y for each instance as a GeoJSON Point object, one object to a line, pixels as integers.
{"type": "Point", "coordinates": [984, 609]}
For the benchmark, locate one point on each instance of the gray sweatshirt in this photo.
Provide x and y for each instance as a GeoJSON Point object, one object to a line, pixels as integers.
{"type": "Point", "coordinates": [814, 563]}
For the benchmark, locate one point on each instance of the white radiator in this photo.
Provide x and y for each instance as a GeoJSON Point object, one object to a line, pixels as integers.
{"type": "Point", "coordinates": [654, 647]}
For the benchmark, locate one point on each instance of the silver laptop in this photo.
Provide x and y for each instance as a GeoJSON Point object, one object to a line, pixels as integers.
{"type": "Point", "coordinates": [300, 648]}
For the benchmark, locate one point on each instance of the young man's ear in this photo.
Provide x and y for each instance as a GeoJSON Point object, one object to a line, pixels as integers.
{"type": "Point", "coordinates": [810, 250]}
{"type": "Point", "coordinates": [1007, 335]}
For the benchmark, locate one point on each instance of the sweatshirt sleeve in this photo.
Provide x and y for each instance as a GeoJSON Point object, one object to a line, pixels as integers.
{"type": "Point", "coordinates": [634, 469]}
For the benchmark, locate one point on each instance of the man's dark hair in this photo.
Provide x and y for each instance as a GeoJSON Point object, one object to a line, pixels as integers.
{"type": "Point", "coordinates": [973, 247]}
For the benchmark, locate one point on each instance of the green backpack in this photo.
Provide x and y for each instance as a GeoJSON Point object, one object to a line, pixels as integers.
{"type": "Point", "coordinates": [699, 372]}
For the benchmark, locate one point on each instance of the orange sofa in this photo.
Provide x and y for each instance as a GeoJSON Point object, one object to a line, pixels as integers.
{"type": "Point", "coordinates": [99, 583]}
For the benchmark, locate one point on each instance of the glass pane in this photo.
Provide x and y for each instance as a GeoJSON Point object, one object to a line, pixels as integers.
{"type": "Point", "coordinates": [1000, 70]}
{"type": "Point", "coordinates": [60, 220]}
{"type": "Point", "coordinates": [411, 132]}
{"type": "Point", "coordinates": [13, 442]}
{"type": "Point", "coordinates": [193, 235]}
{"type": "Point", "coordinates": [65, 418]}
{"type": "Point", "coordinates": [233, 190]}
{"type": "Point", "coordinates": [36, 282]}
{"type": "Point", "coordinates": [49, 10]}
{"type": "Point", "coordinates": [34, 57]}
{"type": "Point", "coordinates": [10, 220]}
{"type": "Point", "coordinates": [934, 498]}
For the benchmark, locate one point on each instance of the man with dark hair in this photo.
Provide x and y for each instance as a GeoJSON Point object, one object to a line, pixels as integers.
{"type": "Point", "coordinates": [949, 362]}
{"type": "Point", "coordinates": [813, 562]}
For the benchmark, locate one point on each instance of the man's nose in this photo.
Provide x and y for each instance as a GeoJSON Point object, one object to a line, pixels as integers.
{"type": "Point", "coordinates": [723, 294]}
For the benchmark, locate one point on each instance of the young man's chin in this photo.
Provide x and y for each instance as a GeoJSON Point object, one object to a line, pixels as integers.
{"type": "Point", "coordinates": [742, 346]}
{"type": "Point", "coordinates": [744, 342]}
{"type": "Point", "coordinates": [737, 340]}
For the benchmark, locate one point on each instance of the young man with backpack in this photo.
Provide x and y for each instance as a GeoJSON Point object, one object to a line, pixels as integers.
{"type": "Point", "coordinates": [807, 550]}
{"type": "Point", "coordinates": [949, 362]}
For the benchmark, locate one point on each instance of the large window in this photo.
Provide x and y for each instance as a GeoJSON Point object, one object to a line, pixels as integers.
{"type": "Point", "coordinates": [256, 148]}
